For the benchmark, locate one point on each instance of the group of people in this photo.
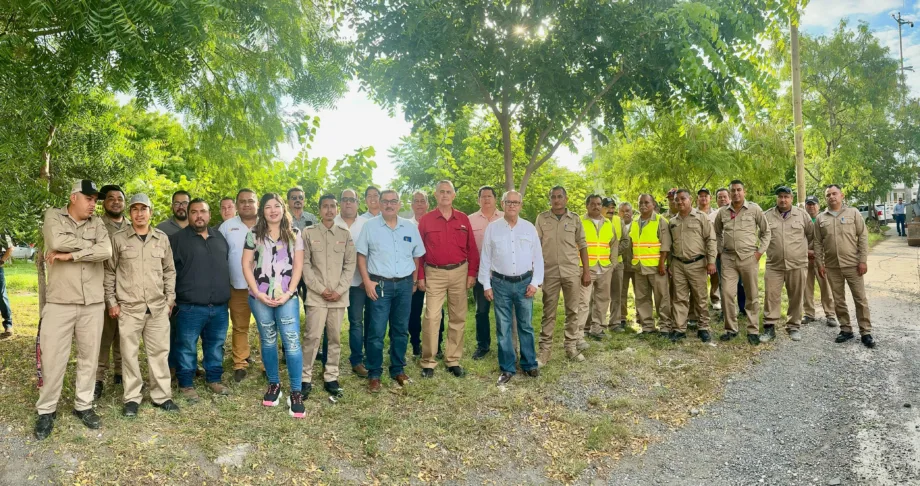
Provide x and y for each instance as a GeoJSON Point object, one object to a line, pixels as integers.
{"type": "Point", "coordinates": [114, 278]}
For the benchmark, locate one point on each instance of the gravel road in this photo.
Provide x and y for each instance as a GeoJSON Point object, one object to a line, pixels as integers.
{"type": "Point", "coordinates": [813, 412]}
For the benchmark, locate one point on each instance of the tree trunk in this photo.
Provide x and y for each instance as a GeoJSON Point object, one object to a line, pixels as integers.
{"type": "Point", "coordinates": [797, 115]}
{"type": "Point", "coordinates": [505, 125]}
{"type": "Point", "coordinates": [44, 172]}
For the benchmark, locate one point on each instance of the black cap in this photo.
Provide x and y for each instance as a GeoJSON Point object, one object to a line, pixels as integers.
{"type": "Point", "coordinates": [110, 187]}
{"type": "Point", "coordinates": [84, 186]}
{"type": "Point", "coordinates": [811, 200]}
{"type": "Point", "coordinates": [608, 201]}
{"type": "Point", "coordinates": [702, 191]}
{"type": "Point", "coordinates": [783, 190]}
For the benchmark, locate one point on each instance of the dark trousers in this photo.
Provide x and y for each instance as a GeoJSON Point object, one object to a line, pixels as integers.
{"type": "Point", "coordinates": [415, 321]}
{"type": "Point", "coordinates": [208, 322]}
{"type": "Point", "coordinates": [5, 308]}
{"type": "Point", "coordinates": [899, 220]}
{"type": "Point", "coordinates": [358, 319]}
{"type": "Point", "coordinates": [483, 327]}
{"type": "Point", "coordinates": [393, 300]}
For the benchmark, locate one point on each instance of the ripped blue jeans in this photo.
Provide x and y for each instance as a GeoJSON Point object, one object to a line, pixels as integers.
{"type": "Point", "coordinates": [270, 320]}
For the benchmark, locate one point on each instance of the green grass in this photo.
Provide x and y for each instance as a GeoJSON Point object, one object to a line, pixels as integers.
{"type": "Point", "coordinates": [444, 429]}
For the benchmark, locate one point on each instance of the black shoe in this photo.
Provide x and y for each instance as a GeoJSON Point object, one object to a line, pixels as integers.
{"type": "Point", "coordinates": [663, 334]}
{"type": "Point", "coordinates": [333, 388]}
{"type": "Point", "coordinates": [480, 353]}
{"type": "Point", "coordinates": [117, 379]}
{"type": "Point", "coordinates": [868, 341]}
{"type": "Point", "coordinates": [239, 375]}
{"type": "Point", "coordinates": [534, 373]}
{"type": "Point", "coordinates": [44, 425]}
{"type": "Point", "coordinates": [596, 337]}
{"type": "Point", "coordinates": [677, 336]}
{"type": "Point", "coordinates": [808, 320]}
{"type": "Point", "coordinates": [753, 339]}
{"type": "Point", "coordinates": [130, 409]}
{"type": "Point", "coordinates": [728, 336]}
{"type": "Point", "coordinates": [704, 336]}
{"type": "Point", "coordinates": [427, 373]}
{"type": "Point", "coordinates": [416, 350]}
{"type": "Point", "coordinates": [89, 418]}
{"type": "Point", "coordinates": [769, 334]}
{"type": "Point", "coordinates": [97, 391]}
{"type": "Point", "coordinates": [167, 406]}
{"type": "Point", "coordinates": [440, 355]}
{"type": "Point", "coordinates": [456, 371]}
{"type": "Point", "coordinates": [843, 337]}
{"type": "Point", "coordinates": [504, 378]}
{"type": "Point", "coordinates": [305, 389]}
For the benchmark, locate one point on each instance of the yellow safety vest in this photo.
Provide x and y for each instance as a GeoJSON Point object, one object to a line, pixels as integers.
{"type": "Point", "coordinates": [645, 244]}
{"type": "Point", "coordinates": [598, 242]}
{"type": "Point", "coordinates": [617, 227]}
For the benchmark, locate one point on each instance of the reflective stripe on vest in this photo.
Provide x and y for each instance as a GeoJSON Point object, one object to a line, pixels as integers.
{"type": "Point", "coordinates": [646, 246]}
{"type": "Point", "coordinates": [598, 243]}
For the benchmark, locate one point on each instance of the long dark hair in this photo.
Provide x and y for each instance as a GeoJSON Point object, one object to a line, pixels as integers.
{"type": "Point", "coordinates": [261, 229]}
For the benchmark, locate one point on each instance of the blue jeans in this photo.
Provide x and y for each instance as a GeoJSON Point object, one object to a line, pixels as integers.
{"type": "Point", "coordinates": [508, 297]}
{"type": "Point", "coordinates": [483, 326]}
{"type": "Point", "coordinates": [269, 320]}
{"type": "Point", "coordinates": [899, 223]}
{"type": "Point", "coordinates": [210, 322]}
{"type": "Point", "coordinates": [394, 299]}
{"type": "Point", "coordinates": [5, 310]}
{"type": "Point", "coordinates": [358, 320]}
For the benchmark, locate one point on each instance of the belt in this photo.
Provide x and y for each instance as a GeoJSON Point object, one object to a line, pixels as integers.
{"type": "Point", "coordinates": [692, 260]}
{"type": "Point", "coordinates": [378, 278]}
{"type": "Point", "coordinates": [517, 278]}
{"type": "Point", "coordinates": [446, 267]}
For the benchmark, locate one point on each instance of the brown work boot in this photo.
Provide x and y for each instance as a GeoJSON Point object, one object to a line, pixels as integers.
{"type": "Point", "coordinates": [360, 370]}
{"type": "Point", "coordinates": [219, 388]}
{"type": "Point", "coordinates": [373, 385]}
{"type": "Point", "coordinates": [190, 395]}
{"type": "Point", "coordinates": [402, 379]}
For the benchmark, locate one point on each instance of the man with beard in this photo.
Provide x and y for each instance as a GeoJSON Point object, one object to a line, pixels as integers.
{"type": "Point", "coordinates": [179, 219]}
{"type": "Point", "coordinates": [113, 205]}
{"type": "Point", "coordinates": [299, 218]}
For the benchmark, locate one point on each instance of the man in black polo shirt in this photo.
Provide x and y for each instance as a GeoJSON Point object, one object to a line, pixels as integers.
{"type": "Point", "coordinates": [202, 293]}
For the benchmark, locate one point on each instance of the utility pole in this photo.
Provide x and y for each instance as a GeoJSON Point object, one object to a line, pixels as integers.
{"type": "Point", "coordinates": [797, 113]}
{"type": "Point", "coordinates": [901, 22]}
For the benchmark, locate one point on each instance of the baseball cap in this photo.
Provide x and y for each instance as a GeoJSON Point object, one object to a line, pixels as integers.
{"type": "Point", "coordinates": [672, 191]}
{"type": "Point", "coordinates": [140, 199]}
{"type": "Point", "coordinates": [608, 201]}
{"type": "Point", "coordinates": [84, 186]}
{"type": "Point", "coordinates": [811, 200]}
{"type": "Point", "coordinates": [104, 190]}
{"type": "Point", "coordinates": [783, 190]}
{"type": "Point", "coordinates": [702, 191]}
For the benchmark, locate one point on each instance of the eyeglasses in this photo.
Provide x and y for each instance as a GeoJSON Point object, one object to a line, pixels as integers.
{"type": "Point", "coordinates": [389, 201]}
{"type": "Point", "coordinates": [511, 203]}
{"type": "Point", "coordinates": [180, 204]}
{"type": "Point", "coordinates": [296, 198]}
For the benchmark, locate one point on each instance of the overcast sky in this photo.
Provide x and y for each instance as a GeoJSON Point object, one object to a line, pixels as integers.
{"type": "Point", "coordinates": [357, 122]}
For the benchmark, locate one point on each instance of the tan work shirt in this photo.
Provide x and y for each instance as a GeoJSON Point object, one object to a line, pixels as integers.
{"type": "Point", "coordinates": [111, 226]}
{"type": "Point", "coordinates": [76, 281]}
{"type": "Point", "coordinates": [737, 231]}
{"type": "Point", "coordinates": [328, 263]}
{"type": "Point", "coordinates": [789, 239]}
{"type": "Point", "coordinates": [664, 237]}
{"type": "Point", "coordinates": [841, 241]}
{"type": "Point", "coordinates": [141, 274]}
{"type": "Point", "coordinates": [692, 236]}
{"type": "Point", "coordinates": [562, 240]}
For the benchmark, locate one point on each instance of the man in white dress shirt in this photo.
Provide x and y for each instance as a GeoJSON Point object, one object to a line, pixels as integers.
{"type": "Point", "coordinates": [358, 315]}
{"type": "Point", "coordinates": [510, 271]}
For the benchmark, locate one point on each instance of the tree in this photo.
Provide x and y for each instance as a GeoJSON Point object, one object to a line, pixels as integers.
{"type": "Point", "coordinates": [542, 69]}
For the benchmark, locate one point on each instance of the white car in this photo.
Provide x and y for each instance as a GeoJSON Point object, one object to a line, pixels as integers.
{"type": "Point", "coordinates": [23, 251]}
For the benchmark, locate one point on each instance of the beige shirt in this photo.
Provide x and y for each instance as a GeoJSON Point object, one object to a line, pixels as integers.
{"type": "Point", "coordinates": [111, 226]}
{"type": "Point", "coordinates": [664, 237]}
{"type": "Point", "coordinates": [841, 241]}
{"type": "Point", "coordinates": [562, 240]}
{"type": "Point", "coordinates": [141, 274]}
{"type": "Point", "coordinates": [739, 234]}
{"type": "Point", "coordinates": [692, 236]}
{"type": "Point", "coordinates": [789, 239]}
{"type": "Point", "coordinates": [329, 261]}
{"type": "Point", "coordinates": [77, 281]}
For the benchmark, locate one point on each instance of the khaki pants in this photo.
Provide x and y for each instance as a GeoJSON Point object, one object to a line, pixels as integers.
{"type": "Point", "coordinates": [240, 316]}
{"type": "Point", "coordinates": [617, 300]}
{"type": "Point", "coordinates": [838, 278]}
{"type": "Point", "coordinates": [570, 287]}
{"type": "Point", "coordinates": [648, 287]}
{"type": "Point", "coordinates": [61, 323]}
{"type": "Point", "coordinates": [155, 331]}
{"type": "Point", "coordinates": [746, 270]}
{"type": "Point", "coordinates": [827, 300]}
{"type": "Point", "coordinates": [689, 289]}
{"type": "Point", "coordinates": [110, 343]}
{"type": "Point", "coordinates": [694, 314]}
{"type": "Point", "coordinates": [443, 285]}
{"type": "Point", "coordinates": [773, 281]}
{"type": "Point", "coordinates": [628, 276]}
{"type": "Point", "coordinates": [318, 320]}
{"type": "Point", "coordinates": [593, 303]}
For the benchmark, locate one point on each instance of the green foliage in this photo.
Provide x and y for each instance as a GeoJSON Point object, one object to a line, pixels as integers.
{"type": "Point", "coordinates": [354, 171]}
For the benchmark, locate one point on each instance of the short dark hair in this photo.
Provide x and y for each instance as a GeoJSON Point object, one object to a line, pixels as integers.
{"type": "Point", "coordinates": [389, 191]}
{"type": "Point", "coordinates": [487, 188]}
{"type": "Point", "coordinates": [720, 190]}
{"type": "Point", "coordinates": [327, 196]}
{"type": "Point", "coordinates": [686, 191]}
{"type": "Point", "coordinates": [593, 196]}
{"type": "Point", "coordinates": [245, 189]}
{"type": "Point", "coordinates": [736, 181]}
{"type": "Point", "coordinates": [293, 189]}
{"type": "Point", "coordinates": [833, 185]}
{"type": "Point", "coordinates": [370, 188]}
{"type": "Point", "coordinates": [180, 192]}
{"type": "Point", "coordinates": [198, 200]}
{"type": "Point", "coordinates": [225, 198]}
{"type": "Point", "coordinates": [558, 188]}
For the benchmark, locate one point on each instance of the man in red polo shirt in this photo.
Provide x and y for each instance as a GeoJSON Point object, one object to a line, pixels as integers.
{"type": "Point", "coordinates": [448, 270]}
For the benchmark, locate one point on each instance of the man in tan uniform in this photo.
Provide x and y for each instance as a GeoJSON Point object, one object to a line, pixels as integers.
{"type": "Point", "coordinates": [140, 292]}
{"type": "Point", "coordinates": [651, 242]}
{"type": "Point", "coordinates": [76, 245]}
{"type": "Point", "coordinates": [603, 242]}
{"type": "Point", "coordinates": [704, 205]}
{"type": "Point", "coordinates": [791, 232]}
{"type": "Point", "coordinates": [618, 319]}
{"type": "Point", "coordinates": [328, 267]}
{"type": "Point", "coordinates": [743, 235]}
{"type": "Point", "coordinates": [113, 204]}
{"type": "Point", "coordinates": [827, 300]}
{"type": "Point", "coordinates": [693, 258]}
{"type": "Point", "coordinates": [841, 251]}
{"type": "Point", "coordinates": [563, 239]}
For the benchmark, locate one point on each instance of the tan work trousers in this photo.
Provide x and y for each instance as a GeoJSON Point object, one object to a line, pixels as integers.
{"type": "Point", "coordinates": [330, 320]}
{"type": "Point", "coordinates": [694, 314]}
{"type": "Point", "coordinates": [155, 331]}
{"type": "Point", "coordinates": [593, 304]}
{"type": "Point", "coordinates": [61, 323]}
{"type": "Point", "coordinates": [648, 287]}
{"type": "Point", "coordinates": [773, 281]}
{"type": "Point", "coordinates": [628, 276]}
{"type": "Point", "coordinates": [827, 299]}
{"type": "Point", "coordinates": [689, 290]}
{"type": "Point", "coordinates": [746, 270]}
{"type": "Point", "coordinates": [839, 279]}
{"type": "Point", "coordinates": [617, 300]}
{"type": "Point", "coordinates": [240, 316]}
{"type": "Point", "coordinates": [441, 285]}
{"type": "Point", "coordinates": [110, 345]}
{"type": "Point", "coordinates": [570, 287]}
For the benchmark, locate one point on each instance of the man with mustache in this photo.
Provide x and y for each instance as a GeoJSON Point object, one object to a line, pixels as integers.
{"type": "Point", "coordinates": [113, 205]}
